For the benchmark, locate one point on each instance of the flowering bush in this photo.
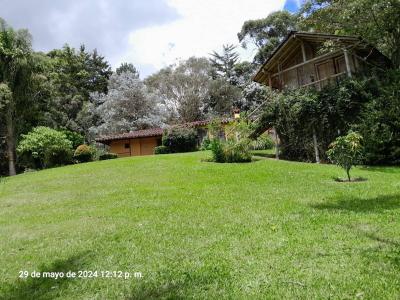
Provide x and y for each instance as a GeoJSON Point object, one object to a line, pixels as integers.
{"type": "Point", "coordinates": [84, 153]}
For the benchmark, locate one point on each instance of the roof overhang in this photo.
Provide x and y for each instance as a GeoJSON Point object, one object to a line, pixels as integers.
{"type": "Point", "coordinates": [293, 39]}
{"type": "Point", "coordinates": [155, 132]}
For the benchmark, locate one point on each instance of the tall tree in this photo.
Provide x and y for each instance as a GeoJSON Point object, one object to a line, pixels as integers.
{"type": "Point", "coordinates": [267, 33]}
{"type": "Point", "coordinates": [127, 106]}
{"type": "Point", "coordinates": [74, 76]}
{"type": "Point", "coordinates": [127, 67]}
{"type": "Point", "coordinates": [377, 21]}
{"type": "Point", "coordinates": [15, 83]}
{"type": "Point", "coordinates": [183, 88]}
{"type": "Point", "coordinates": [224, 64]}
{"type": "Point", "coordinates": [222, 97]}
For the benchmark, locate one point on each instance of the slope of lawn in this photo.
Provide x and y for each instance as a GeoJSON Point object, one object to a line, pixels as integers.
{"type": "Point", "coordinates": [267, 229]}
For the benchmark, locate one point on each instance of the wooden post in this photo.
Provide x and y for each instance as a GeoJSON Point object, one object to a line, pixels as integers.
{"type": "Point", "coordinates": [303, 51]}
{"type": "Point", "coordinates": [317, 160]}
{"type": "Point", "coordinates": [347, 60]}
{"type": "Point", "coordinates": [269, 80]}
{"type": "Point", "coordinates": [276, 144]}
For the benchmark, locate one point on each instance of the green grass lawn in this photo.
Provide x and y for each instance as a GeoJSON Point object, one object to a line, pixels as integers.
{"type": "Point", "coordinates": [262, 230]}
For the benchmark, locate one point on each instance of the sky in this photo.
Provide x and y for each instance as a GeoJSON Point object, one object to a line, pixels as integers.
{"type": "Point", "coordinates": [151, 34]}
{"type": "Point", "coordinates": [293, 5]}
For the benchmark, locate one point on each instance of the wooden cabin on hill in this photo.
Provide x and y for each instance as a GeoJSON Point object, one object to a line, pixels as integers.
{"type": "Point", "coordinates": [310, 59]}
{"type": "Point", "coordinates": [317, 59]}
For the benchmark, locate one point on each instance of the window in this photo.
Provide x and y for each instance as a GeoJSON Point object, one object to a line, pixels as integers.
{"type": "Point", "coordinates": [127, 146]}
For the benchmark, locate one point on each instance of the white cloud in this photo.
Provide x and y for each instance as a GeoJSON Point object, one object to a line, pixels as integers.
{"type": "Point", "coordinates": [203, 27]}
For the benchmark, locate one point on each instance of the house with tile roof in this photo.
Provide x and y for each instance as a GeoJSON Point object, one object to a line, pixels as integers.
{"type": "Point", "coordinates": [143, 142]}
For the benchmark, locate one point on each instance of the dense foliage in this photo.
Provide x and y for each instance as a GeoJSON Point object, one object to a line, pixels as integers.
{"type": "Point", "coordinates": [267, 33]}
{"type": "Point", "coordinates": [74, 75]}
{"type": "Point", "coordinates": [161, 150]}
{"type": "Point", "coordinates": [128, 105]}
{"type": "Point", "coordinates": [230, 151]}
{"type": "Point", "coordinates": [44, 147]}
{"type": "Point", "coordinates": [380, 121]}
{"type": "Point", "coordinates": [84, 153]}
{"type": "Point", "coordinates": [377, 21]}
{"type": "Point", "coordinates": [236, 146]}
{"type": "Point", "coordinates": [180, 139]}
{"type": "Point", "coordinates": [108, 155]}
{"type": "Point", "coordinates": [16, 86]}
{"type": "Point", "coordinates": [305, 118]}
{"type": "Point", "coordinates": [263, 142]}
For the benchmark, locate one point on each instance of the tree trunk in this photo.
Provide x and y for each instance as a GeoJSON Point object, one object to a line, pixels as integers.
{"type": "Point", "coordinates": [348, 174]}
{"type": "Point", "coordinates": [317, 160]}
{"type": "Point", "coordinates": [276, 144]}
{"type": "Point", "coordinates": [10, 140]}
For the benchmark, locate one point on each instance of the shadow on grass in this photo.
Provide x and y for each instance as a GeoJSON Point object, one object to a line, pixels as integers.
{"type": "Point", "coordinates": [264, 155]}
{"type": "Point", "coordinates": [389, 252]}
{"type": "Point", "coordinates": [388, 169]}
{"type": "Point", "coordinates": [176, 283]}
{"type": "Point", "coordinates": [375, 204]}
{"type": "Point", "coordinates": [45, 288]}
{"type": "Point", "coordinates": [344, 180]}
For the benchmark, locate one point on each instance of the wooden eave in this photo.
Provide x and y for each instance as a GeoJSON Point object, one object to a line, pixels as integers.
{"type": "Point", "coordinates": [290, 43]}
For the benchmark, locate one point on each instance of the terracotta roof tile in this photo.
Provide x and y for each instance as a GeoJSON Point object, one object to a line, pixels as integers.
{"type": "Point", "coordinates": [153, 131]}
{"type": "Point", "coordinates": [131, 135]}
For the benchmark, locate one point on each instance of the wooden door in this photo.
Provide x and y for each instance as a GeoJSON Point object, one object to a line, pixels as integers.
{"type": "Point", "coordinates": [147, 146]}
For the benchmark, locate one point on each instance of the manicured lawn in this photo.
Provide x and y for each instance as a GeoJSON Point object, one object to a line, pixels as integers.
{"type": "Point", "coordinates": [267, 229]}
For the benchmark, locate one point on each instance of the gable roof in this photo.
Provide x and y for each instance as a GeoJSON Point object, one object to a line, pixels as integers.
{"type": "Point", "coordinates": [291, 38]}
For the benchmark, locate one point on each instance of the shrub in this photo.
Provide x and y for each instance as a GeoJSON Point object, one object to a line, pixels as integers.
{"type": "Point", "coordinates": [263, 142]}
{"type": "Point", "coordinates": [230, 151]}
{"type": "Point", "coordinates": [304, 116]}
{"type": "Point", "coordinates": [205, 144]}
{"type": "Point", "coordinates": [106, 156]}
{"type": "Point", "coordinates": [217, 150]}
{"type": "Point", "coordinates": [161, 150]}
{"type": "Point", "coordinates": [44, 147]}
{"type": "Point", "coordinates": [180, 139]}
{"type": "Point", "coordinates": [75, 137]}
{"type": "Point", "coordinates": [237, 151]}
{"type": "Point", "coordinates": [346, 151]}
{"type": "Point", "coordinates": [84, 153]}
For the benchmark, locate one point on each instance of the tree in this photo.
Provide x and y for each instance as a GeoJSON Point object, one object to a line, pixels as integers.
{"type": "Point", "coordinates": [44, 147]}
{"type": "Point", "coordinates": [127, 106]}
{"type": "Point", "coordinates": [380, 121]}
{"type": "Point", "coordinates": [222, 97]}
{"type": "Point", "coordinates": [267, 33]}
{"type": "Point", "coordinates": [253, 95]}
{"type": "Point", "coordinates": [125, 67]}
{"type": "Point", "coordinates": [244, 72]}
{"type": "Point", "coordinates": [74, 75]}
{"type": "Point", "coordinates": [183, 88]}
{"type": "Point", "coordinates": [84, 153]}
{"type": "Point", "coordinates": [15, 78]}
{"type": "Point", "coordinates": [180, 139]}
{"type": "Point", "coordinates": [307, 122]}
{"type": "Point", "coordinates": [346, 151]}
{"type": "Point", "coordinates": [224, 64]}
{"type": "Point", "coordinates": [377, 21]}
